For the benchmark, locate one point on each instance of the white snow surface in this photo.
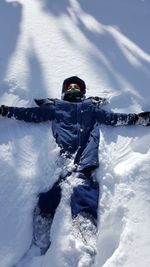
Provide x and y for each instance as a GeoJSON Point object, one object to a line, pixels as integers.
{"type": "Point", "coordinates": [107, 43]}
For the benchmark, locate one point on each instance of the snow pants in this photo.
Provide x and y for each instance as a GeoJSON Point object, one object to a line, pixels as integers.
{"type": "Point", "coordinates": [84, 198]}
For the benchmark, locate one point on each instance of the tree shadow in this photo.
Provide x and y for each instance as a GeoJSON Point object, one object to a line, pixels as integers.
{"type": "Point", "coordinates": [35, 85]}
{"type": "Point", "coordinates": [36, 78]}
{"type": "Point", "coordinates": [55, 7]}
{"type": "Point", "coordinates": [119, 15]}
{"type": "Point", "coordinates": [10, 18]}
{"type": "Point", "coordinates": [124, 62]}
{"type": "Point", "coordinates": [120, 51]}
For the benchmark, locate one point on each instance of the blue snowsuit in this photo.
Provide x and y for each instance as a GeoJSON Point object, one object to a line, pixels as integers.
{"type": "Point", "coordinates": [75, 127]}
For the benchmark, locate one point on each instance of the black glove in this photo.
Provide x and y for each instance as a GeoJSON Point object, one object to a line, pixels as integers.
{"type": "Point", "coordinates": [144, 118]}
{"type": "Point", "coordinates": [4, 110]}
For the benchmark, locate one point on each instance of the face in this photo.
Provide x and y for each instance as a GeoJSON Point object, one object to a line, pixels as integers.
{"type": "Point", "coordinates": [73, 93]}
{"type": "Point", "coordinates": [73, 86]}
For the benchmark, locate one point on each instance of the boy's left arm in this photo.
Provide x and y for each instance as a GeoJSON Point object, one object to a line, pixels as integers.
{"type": "Point", "coordinates": [116, 119]}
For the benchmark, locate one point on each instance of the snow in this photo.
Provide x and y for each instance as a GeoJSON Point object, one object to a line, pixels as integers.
{"type": "Point", "coordinates": [105, 42]}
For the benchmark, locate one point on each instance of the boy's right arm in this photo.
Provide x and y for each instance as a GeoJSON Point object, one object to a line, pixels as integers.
{"type": "Point", "coordinates": [34, 114]}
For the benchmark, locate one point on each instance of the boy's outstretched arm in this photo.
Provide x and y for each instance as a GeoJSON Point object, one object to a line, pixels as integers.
{"type": "Point", "coordinates": [33, 114]}
{"type": "Point", "coordinates": [116, 119]}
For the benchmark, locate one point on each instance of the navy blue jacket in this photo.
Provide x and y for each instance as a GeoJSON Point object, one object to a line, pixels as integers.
{"type": "Point", "coordinates": [75, 126]}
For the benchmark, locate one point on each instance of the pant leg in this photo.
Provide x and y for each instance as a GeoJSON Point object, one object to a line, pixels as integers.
{"type": "Point", "coordinates": [49, 201]}
{"type": "Point", "coordinates": [85, 196]}
{"type": "Point", "coordinates": [43, 216]}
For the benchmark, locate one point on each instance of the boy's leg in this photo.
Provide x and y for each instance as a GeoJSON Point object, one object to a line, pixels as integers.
{"type": "Point", "coordinates": [85, 196]}
{"type": "Point", "coordinates": [49, 201]}
{"type": "Point", "coordinates": [84, 205]}
{"type": "Point", "coordinates": [43, 216]}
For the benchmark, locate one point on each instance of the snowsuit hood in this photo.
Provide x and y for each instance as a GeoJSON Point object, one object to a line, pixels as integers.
{"type": "Point", "coordinates": [74, 79]}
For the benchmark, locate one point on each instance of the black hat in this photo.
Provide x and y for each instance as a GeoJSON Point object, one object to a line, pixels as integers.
{"type": "Point", "coordinates": [74, 79]}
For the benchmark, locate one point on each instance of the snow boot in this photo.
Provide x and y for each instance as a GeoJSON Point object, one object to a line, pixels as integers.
{"type": "Point", "coordinates": [85, 229]}
{"type": "Point", "coordinates": [41, 230]}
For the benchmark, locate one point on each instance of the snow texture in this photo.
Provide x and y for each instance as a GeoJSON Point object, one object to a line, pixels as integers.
{"type": "Point", "coordinates": [105, 42]}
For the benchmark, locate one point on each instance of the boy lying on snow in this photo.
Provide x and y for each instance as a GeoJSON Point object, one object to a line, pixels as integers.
{"type": "Point", "coordinates": [75, 125]}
